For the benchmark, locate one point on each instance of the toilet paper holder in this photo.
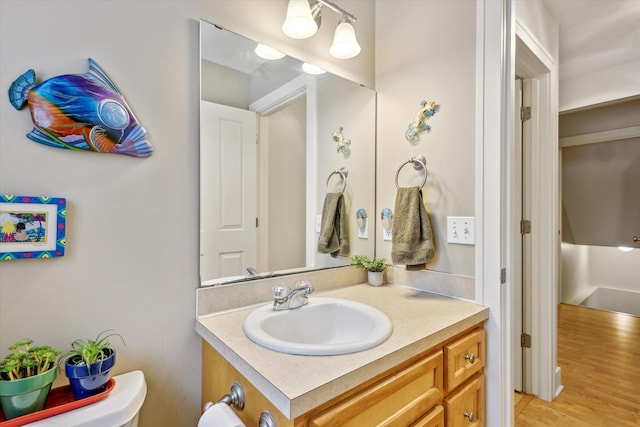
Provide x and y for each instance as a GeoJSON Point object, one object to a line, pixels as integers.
{"type": "Point", "coordinates": [235, 398]}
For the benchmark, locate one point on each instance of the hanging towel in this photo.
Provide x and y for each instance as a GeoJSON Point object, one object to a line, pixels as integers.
{"type": "Point", "coordinates": [334, 234]}
{"type": "Point", "coordinates": [412, 240]}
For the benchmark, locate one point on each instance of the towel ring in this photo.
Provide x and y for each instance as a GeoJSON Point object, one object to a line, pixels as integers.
{"type": "Point", "coordinates": [343, 172]}
{"type": "Point", "coordinates": [418, 162]}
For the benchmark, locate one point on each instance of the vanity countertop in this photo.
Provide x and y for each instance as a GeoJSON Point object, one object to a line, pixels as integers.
{"type": "Point", "coordinates": [296, 384]}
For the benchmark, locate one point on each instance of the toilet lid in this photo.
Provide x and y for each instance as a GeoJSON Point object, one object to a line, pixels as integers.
{"type": "Point", "coordinates": [118, 408]}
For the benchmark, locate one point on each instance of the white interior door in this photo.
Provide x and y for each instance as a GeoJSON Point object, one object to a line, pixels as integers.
{"type": "Point", "coordinates": [516, 294]}
{"type": "Point", "coordinates": [521, 205]}
{"type": "Point", "coordinates": [228, 184]}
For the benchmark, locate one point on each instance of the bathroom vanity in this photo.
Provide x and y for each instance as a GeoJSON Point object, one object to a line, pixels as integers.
{"type": "Point", "coordinates": [429, 372]}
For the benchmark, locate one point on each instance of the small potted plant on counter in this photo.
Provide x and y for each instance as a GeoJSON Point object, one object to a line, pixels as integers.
{"type": "Point", "coordinates": [89, 363]}
{"type": "Point", "coordinates": [26, 376]}
{"type": "Point", "coordinates": [374, 266]}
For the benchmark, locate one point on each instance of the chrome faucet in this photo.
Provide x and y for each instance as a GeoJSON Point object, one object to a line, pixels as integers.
{"type": "Point", "coordinates": [284, 298]}
{"type": "Point", "coordinates": [252, 272]}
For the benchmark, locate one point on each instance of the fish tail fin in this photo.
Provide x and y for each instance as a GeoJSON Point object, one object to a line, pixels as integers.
{"type": "Point", "coordinates": [19, 89]}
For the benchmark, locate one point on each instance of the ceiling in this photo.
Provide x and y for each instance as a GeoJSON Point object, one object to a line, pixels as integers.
{"type": "Point", "coordinates": [596, 34]}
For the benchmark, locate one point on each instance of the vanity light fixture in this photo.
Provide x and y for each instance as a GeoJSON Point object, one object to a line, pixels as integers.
{"type": "Point", "coordinates": [312, 69]}
{"type": "Point", "coordinates": [344, 45]}
{"type": "Point", "coordinates": [301, 22]}
{"type": "Point", "coordinates": [304, 18]}
{"type": "Point", "coordinates": [266, 52]}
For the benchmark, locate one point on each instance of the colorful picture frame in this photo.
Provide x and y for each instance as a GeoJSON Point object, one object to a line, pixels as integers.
{"type": "Point", "coordinates": [32, 227]}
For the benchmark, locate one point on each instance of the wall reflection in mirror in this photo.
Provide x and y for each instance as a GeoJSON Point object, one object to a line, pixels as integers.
{"type": "Point", "coordinates": [267, 160]}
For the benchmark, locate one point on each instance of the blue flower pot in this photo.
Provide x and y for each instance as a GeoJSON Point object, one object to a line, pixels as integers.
{"type": "Point", "coordinates": [87, 382]}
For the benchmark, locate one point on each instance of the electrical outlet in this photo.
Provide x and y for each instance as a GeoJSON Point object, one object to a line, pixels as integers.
{"type": "Point", "coordinates": [318, 223]}
{"type": "Point", "coordinates": [461, 230]}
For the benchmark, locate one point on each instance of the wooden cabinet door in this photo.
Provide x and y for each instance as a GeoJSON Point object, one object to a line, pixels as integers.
{"type": "Point", "coordinates": [464, 358]}
{"type": "Point", "coordinates": [397, 400]}
{"type": "Point", "coordinates": [465, 408]}
{"type": "Point", "coordinates": [435, 418]}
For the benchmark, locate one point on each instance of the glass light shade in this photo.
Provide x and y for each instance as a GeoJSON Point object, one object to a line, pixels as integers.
{"type": "Point", "coordinates": [312, 69]}
{"type": "Point", "coordinates": [344, 45]}
{"type": "Point", "coordinates": [299, 23]}
{"type": "Point", "coordinates": [266, 52]}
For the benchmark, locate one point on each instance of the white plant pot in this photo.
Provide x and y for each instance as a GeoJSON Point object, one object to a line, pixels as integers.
{"type": "Point", "coordinates": [376, 278]}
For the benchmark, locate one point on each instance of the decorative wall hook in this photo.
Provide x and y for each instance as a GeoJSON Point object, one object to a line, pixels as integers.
{"type": "Point", "coordinates": [343, 145]}
{"type": "Point", "coordinates": [427, 109]}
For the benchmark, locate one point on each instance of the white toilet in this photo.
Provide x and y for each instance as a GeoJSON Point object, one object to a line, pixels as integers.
{"type": "Point", "coordinates": [119, 409]}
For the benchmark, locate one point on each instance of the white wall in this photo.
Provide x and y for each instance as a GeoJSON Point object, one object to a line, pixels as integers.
{"type": "Point", "coordinates": [585, 268]}
{"type": "Point", "coordinates": [609, 84]}
{"type": "Point", "coordinates": [132, 224]}
{"type": "Point", "coordinates": [428, 53]}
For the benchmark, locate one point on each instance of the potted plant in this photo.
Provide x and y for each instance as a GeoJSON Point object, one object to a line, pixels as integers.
{"type": "Point", "coordinates": [26, 376]}
{"type": "Point", "coordinates": [374, 266]}
{"type": "Point", "coordinates": [89, 363]}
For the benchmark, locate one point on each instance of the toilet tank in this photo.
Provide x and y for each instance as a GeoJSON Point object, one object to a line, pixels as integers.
{"type": "Point", "coordinates": [119, 409]}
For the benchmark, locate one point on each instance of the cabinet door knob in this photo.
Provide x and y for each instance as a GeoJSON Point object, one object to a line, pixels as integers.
{"type": "Point", "coordinates": [469, 415]}
{"type": "Point", "coordinates": [470, 357]}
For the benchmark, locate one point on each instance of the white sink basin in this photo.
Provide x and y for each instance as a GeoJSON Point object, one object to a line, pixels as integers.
{"type": "Point", "coordinates": [325, 326]}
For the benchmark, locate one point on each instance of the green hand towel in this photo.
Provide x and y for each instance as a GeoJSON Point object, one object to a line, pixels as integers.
{"type": "Point", "coordinates": [412, 240]}
{"type": "Point", "coordinates": [334, 234]}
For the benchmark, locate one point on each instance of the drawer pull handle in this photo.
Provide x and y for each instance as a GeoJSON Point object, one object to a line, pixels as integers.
{"type": "Point", "coordinates": [470, 357]}
{"type": "Point", "coordinates": [469, 415]}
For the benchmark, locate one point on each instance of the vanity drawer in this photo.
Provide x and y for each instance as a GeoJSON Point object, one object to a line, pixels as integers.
{"type": "Point", "coordinates": [435, 418]}
{"type": "Point", "coordinates": [465, 408]}
{"type": "Point", "coordinates": [396, 400]}
{"type": "Point", "coordinates": [463, 358]}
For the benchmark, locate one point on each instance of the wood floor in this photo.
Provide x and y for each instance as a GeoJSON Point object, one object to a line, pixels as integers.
{"type": "Point", "coordinates": [599, 353]}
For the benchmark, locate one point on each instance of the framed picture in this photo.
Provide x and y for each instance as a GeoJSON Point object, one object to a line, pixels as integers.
{"type": "Point", "coordinates": [32, 227]}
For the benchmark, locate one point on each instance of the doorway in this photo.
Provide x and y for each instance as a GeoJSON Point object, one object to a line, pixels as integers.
{"type": "Point", "coordinates": [541, 206]}
{"type": "Point", "coordinates": [282, 187]}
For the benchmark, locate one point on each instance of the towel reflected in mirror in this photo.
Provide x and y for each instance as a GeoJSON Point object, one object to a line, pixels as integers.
{"type": "Point", "coordinates": [334, 232]}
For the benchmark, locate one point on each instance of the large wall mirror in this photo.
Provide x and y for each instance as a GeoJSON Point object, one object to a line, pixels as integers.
{"type": "Point", "coordinates": [268, 158]}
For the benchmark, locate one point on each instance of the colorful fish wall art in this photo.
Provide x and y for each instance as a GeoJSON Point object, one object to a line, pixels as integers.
{"type": "Point", "coordinates": [80, 112]}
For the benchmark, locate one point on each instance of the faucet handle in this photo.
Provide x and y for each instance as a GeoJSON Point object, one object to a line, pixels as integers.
{"type": "Point", "coordinates": [305, 285]}
{"type": "Point", "coordinates": [281, 291]}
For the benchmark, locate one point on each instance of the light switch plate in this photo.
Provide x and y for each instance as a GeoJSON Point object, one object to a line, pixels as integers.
{"type": "Point", "coordinates": [461, 230]}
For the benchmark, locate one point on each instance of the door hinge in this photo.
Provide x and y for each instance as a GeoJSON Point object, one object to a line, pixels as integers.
{"type": "Point", "coordinates": [503, 276]}
{"type": "Point", "coordinates": [256, 222]}
{"type": "Point", "coordinates": [525, 226]}
{"type": "Point", "coordinates": [525, 340]}
{"type": "Point", "coordinates": [525, 114]}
